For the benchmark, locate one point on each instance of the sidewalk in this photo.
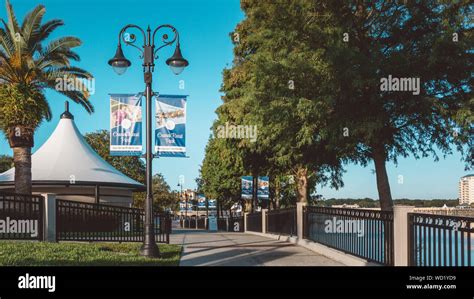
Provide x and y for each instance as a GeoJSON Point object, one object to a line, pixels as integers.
{"type": "Point", "coordinates": [203, 248]}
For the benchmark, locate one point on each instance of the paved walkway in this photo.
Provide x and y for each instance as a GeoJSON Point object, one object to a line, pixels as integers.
{"type": "Point", "coordinates": [203, 248]}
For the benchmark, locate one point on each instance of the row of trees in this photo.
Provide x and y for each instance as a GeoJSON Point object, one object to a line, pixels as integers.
{"type": "Point", "coordinates": [308, 75]}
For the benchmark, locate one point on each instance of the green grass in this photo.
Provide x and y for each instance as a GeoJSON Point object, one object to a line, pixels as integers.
{"type": "Point", "coordinates": [31, 253]}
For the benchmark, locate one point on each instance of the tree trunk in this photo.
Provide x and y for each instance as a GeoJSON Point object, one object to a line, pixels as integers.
{"type": "Point", "coordinates": [254, 193]}
{"type": "Point", "coordinates": [383, 186]}
{"type": "Point", "coordinates": [22, 162]}
{"type": "Point", "coordinates": [302, 184]}
{"type": "Point", "coordinates": [276, 200]}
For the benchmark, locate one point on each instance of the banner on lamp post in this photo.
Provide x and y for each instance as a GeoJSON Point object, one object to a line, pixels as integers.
{"type": "Point", "coordinates": [201, 202]}
{"type": "Point", "coordinates": [263, 190]}
{"type": "Point", "coordinates": [247, 187]}
{"type": "Point", "coordinates": [125, 125]}
{"type": "Point", "coordinates": [170, 132]}
{"type": "Point", "coordinates": [212, 204]}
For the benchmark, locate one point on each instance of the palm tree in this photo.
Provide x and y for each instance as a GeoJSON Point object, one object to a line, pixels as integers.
{"type": "Point", "coordinates": [28, 65]}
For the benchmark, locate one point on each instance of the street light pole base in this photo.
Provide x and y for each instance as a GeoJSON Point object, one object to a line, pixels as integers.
{"type": "Point", "coordinates": [150, 250]}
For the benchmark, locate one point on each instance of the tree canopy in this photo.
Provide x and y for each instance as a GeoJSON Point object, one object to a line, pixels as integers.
{"type": "Point", "coordinates": [313, 78]}
{"type": "Point", "coordinates": [134, 167]}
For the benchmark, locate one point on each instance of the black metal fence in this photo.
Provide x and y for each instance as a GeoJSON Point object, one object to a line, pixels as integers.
{"type": "Point", "coordinates": [77, 221]}
{"type": "Point", "coordinates": [231, 224]}
{"type": "Point", "coordinates": [21, 216]}
{"type": "Point", "coordinates": [282, 221]}
{"type": "Point", "coordinates": [222, 224]}
{"type": "Point", "coordinates": [364, 233]}
{"type": "Point", "coordinates": [190, 222]}
{"type": "Point", "coordinates": [254, 222]}
{"type": "Point", "coordinates": [439, 240]}
{"type": "Point", "coordinates": [236, 224]}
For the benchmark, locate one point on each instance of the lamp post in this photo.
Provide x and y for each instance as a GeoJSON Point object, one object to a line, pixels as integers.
{"type": "Point", "coordinates": [180, 184]}
{"type": "Point", "coordinates": [120, 64]}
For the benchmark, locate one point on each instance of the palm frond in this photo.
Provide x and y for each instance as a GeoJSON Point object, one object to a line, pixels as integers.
{"type": "Point", "coordinates": [12, 21]}
{"type": "Point", "coordinates": [29, 64]}
{"type": "Point", "coordinates": [78, 97]}
{"type": "Point", "coordinates": [32, 22]}
{"type": "Point", "coordinates": [58, 48]}
{"type": "Point", "coordinates": [43, 33]}
{"type": "Point", "coordinates": [6, 42]}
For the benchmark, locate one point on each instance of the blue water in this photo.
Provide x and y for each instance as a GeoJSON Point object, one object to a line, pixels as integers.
{"type": "Point", "coordinates": [428, 253]}
{"type": "Point", "coordinates": [371, 245]}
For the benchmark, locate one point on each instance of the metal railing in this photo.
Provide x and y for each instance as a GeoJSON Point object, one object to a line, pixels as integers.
{"type": "Point", "coordinates": [439, 240]}
{"type": "Point", "coordinates": [282, 221]}
{"type": "Point", "coordinates": [231, 224]}
{"type": "Point", "coordinates": [22, 216]}
{"type": "Point", "coordinates": [254, 222]}
{"type": "Point", "coordinates": [364, 233]}
{"type": "Point", "coordinates": [190, 222]}
{"type": "Point", "coordinates": [222, 224]}
{"type": "Point", "coordinates": [236, 224]}
{"type": "Point", "coordinates": [78, 221]}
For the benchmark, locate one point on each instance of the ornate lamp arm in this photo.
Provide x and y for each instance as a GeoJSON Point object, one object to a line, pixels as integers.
{"type": "Point", "coordinates": [131, 41]}
{"type": "Point", "coordinates": [165, 40]}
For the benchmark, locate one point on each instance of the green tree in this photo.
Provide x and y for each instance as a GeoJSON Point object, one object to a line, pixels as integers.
{"type": "Point", "coordinates": [278, 82]}
{"type": "Point", "coordinates": [163, 197]}
{"type": "Point", "coordinates": [428, 40]}
{"type": "Point", "coordinates": [29, 65]}
{"type": "Point", "coordinates": [133, 167]}
{"type": "Point", "coordinates": [6, 162]}
{"type": "Point", "coordinates": [220, 173]}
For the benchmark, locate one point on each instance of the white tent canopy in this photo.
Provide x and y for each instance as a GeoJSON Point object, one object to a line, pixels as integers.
{"type": "Point", "coordinates": [67, 159]}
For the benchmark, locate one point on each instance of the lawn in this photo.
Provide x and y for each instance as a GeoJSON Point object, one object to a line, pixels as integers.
{"type": "Point", "coordinates": [31, 253]}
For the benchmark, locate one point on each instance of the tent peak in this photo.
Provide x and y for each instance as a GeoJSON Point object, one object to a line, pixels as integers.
{"type": "Point", "coordinates": [66, 114]}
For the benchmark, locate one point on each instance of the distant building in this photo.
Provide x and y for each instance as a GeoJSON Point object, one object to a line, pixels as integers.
{"type": "Point", "coordinates": [466, 190]}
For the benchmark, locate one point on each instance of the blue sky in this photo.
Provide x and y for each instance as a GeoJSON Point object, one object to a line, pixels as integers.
{"type": "Point", "coordinates": [204, 28]}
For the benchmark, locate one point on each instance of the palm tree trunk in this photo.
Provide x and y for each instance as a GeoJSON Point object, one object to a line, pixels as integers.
{"type": "Point", "coordinates": [22, 162]}
{"type": "Point", "coordinates": [383, 186]}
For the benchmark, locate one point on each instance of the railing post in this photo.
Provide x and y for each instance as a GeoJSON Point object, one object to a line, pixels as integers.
{"type": "Point", "coordinates": [49, 217]}
{"type": "Point", "coordinates": [400, 234]}
{"type": "Point", "coordinates": [299, 219]}
{"type": "Point", "coordinates": [264, 220]}
{"type": "Point", "coordinates": [245, 222]}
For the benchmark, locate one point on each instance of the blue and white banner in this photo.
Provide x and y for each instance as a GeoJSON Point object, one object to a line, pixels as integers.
{"type": "Point", "coordinates": [212, 204]}
{"type": "Point", "coordinates": [247, 187]}
{"type": "Point", "coordinates": [170, 132]}
{"type": "Point", "coordinates": [263, 191]}
{"type": "Point", "coordinates": [125, 125]}
{"type": "Point", "coordinates": [201, 201]}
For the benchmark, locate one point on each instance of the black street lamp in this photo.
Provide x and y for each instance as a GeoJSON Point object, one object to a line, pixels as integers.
{"type": "Point", "coordinates": [120, 64]}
